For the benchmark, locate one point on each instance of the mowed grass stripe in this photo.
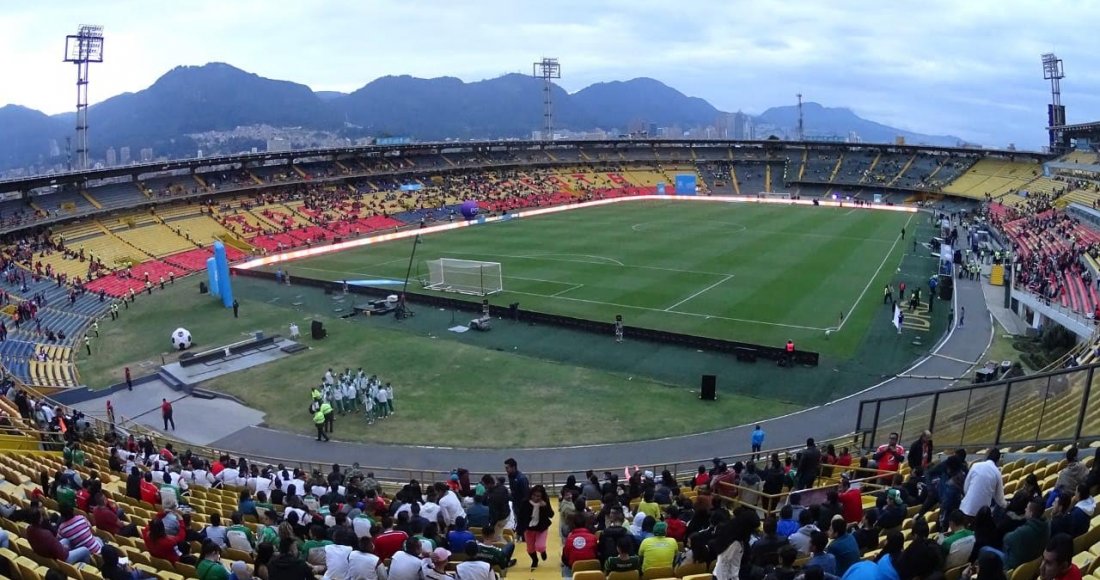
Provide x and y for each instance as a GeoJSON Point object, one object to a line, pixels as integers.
{"type": "Point", "coordinates": [794, 269]}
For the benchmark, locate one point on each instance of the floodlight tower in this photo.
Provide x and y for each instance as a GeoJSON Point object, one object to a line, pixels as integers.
{"type": "Point", "coordinates": [801, 128]}
{"type": "Point", "coordinates": [82, 49]}
{"type": "Point", "coordinates": [547, 69]}
{"type": "Point", "coordinates": [1056, 112]}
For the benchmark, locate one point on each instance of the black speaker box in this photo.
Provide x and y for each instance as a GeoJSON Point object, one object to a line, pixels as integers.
{"type": "Point", "coordinates": [709, 387]}
{"type": "Point", "coordinates": [317, 329]}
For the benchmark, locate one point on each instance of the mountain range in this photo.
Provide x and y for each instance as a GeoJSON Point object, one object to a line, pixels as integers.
{"type": "Point", "coordinates": [220, 97]}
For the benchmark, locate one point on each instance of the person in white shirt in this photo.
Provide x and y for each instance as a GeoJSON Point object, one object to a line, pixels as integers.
{"type": "Point", "coordinates": [364, 565]}
{"type": "Point", "coordinates": [474, 569]}
{"type": "Point", "coordinates": [230, 475]}
{"type": "Point", "coordinates": [983, 485]}
{"type": "Point", "coordinates": [216, 532]}
{"type": "Point", "coordinates": [202, 477]}
{"type": "Point", "coordinates": [337, 554]}
{"type": "Point", "coordinates": [329, 380]}
{"type": "Point", "coordinates": [389, 398]}
{"type": "Point", "coordinates": [430, 511]}
{"type": "Point", "coordinates": [449, 503]}
{"type": "Point", "coordinates": [405, 564]}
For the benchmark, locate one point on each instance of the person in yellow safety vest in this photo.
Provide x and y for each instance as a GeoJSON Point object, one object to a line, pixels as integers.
{"type": "Point", "coordinates": [316, 394]}
{"type": "Point", "coordinates": [319, 421]}
{"type": "Point", "coordinates": [326, 410]}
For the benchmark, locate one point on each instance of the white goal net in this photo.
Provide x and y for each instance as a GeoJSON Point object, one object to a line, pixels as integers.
{"type": "Point", "coordinates": [464, 276]}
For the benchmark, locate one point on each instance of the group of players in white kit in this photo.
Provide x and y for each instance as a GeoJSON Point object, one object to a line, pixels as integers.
{"type": "Point", "coordinates": [346, 392]}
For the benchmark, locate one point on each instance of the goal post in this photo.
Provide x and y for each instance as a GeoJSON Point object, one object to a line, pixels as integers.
{"type": "Point", "coordinates": [464, 276]}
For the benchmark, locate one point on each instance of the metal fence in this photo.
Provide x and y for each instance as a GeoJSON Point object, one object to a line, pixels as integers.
{"type": "Point", "coordinates": [1053, 407]}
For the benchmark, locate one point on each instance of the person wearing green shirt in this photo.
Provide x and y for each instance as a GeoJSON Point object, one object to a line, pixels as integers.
{"type": "Point", "coordinates": [319, 422]}
{"type": "Point", "coordinates": [624, 562]}
{"type": "Point", "coordinates": [658, 550]}
{"type": "Point", "coordinates": [957, 542]}
{"type": "Point", "coordinates": [649, 507]}
{"type": "Point", "coordinates": [316, 544]}
{"type": "Point", "coordinates": [239, 527]}
{"type": "Point", "coordinates": [210, 567]}
{"type": "Point", "coordinates": [66, 496]}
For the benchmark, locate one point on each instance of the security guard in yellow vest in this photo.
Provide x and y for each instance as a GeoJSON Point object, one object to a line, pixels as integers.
{"type": "Point", "coordinates": [327, 411]}
{"type": "Point", "coordinates": [319, 421]}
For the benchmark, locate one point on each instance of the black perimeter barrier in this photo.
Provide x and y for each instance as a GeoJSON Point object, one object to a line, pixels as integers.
{"type": "Point", "coordinates": [744, 351]}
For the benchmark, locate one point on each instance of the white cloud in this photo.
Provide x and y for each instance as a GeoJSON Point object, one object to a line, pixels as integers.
{"type": "Point", "coordinates": [967, 68]}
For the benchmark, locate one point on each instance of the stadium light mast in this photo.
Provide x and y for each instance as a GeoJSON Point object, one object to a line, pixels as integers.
{"type": "Point", "coordinates": [547, 69]}
{"type": "Point", "coordinates": [801, 127]}
{"type": "Point", "coordinates": [82, 49]}
{"type": "Point", "coordinates": [1056, 112]}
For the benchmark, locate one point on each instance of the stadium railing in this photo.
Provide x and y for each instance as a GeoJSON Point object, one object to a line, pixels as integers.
{"type": "Point", "coordinates": [1044, 408]}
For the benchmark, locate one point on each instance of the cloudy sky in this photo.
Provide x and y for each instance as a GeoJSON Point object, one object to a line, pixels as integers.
{"type": "Point", "coordinates": [968, 68]}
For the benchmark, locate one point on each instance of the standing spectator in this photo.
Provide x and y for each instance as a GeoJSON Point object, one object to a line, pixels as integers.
{"type": "Point", "coordinates": [517, 482]}
{"type": "Point", "coordinates": [851, 502]}
{"type": "Point", "coordinates": [889, 455]}
{"type": "Point", "coordinates": [809, 465]}
{"type": "Point", "coordinates": [920, 452]}
{"type": "Point", "coordinates": [166, 414]}
{"type": "Point", "coordinates": [129, 380]}
{"type": "Point", "coordinates": [983, 485]}
{"type": "Point", "coordinates": [537, 514]}
{"type": "Point", "coordinates": [757, 442]}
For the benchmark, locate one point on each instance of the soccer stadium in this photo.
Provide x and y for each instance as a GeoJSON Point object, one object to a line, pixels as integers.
{"type": "Point", "coordinates": [631, 358]}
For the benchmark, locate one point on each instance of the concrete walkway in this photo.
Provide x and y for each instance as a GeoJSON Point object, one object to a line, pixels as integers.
{"type": "Point", "coordinates": [1009, 321]}
{"type": "Point", "coordinates": [953, 357]}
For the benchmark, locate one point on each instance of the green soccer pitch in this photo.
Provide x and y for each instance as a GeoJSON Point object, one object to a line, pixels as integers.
{"type": "Point", "coordinates": [738, 271]}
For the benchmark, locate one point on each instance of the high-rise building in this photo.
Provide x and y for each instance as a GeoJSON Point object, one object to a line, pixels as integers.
{"type": "Point", "coordinates": [738, 123]}
{"type": "Point", "coordinates": [55, 151]}
{"type": "Point", "coordinates": [277, 145]}
{"type": "Point", "coordinates": [146, 154]}
{"type": "Point", "coordinates": [124, 155]}
{"type": "Point", "coordinates": [112, 157]}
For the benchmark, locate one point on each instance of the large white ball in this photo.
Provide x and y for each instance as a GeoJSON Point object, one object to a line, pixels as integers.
{"type": "Point", "coordinates": [181, 339]}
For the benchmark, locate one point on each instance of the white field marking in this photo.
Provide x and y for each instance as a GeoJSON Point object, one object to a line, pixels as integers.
{"type": "Point", "coordinates": [605, 259]}
{"type": "Point", "coordinates": [847, 315]}
{"type": "Point", "coordinates": [636, 227]}
{"type": "Point", "coordinates": [620, 264]}
{"type": "Point", "coordinates": [850, 211]}
{"type": "Point", "coordinates": [576, 286]}
{"type": "Point", "coordinates": [669, 309]}
{"type": "Point", "coordinates": [346, 273]}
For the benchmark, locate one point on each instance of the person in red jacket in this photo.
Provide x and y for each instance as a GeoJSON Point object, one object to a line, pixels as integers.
{"type": "Point", "coordinates": [851, 502]}
{"type": "Point", "coordinates": [580, 544]}
{"type": "Point", "coordinates": [158, 543]}
{"type": "Point", "coordinates": [45, 543]}
{"type": "Point", "coordinates": [106, 517]}
{"type": "Point", "coordinates": [389, 541]}
{"type": "Point", "coordinates": [677, 529]}
{"type": "Point", "coordinates": [149, 493]}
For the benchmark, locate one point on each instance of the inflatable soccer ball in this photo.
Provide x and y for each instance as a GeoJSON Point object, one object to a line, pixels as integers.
{"type": "Point", "coordinates": [181, 339]}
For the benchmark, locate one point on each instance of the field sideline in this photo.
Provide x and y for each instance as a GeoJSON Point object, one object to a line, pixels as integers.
{"type": "Point", "coordinates": [749, 272]}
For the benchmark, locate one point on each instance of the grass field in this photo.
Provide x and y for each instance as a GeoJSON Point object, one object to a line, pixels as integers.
{"type": "Point", "coordinates": [754, 273]}
{"type": "Point", "coordinates": [442, 387]}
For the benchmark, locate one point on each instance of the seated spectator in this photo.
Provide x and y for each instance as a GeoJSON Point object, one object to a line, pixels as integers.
{"type": "Point", "coordinates": [889, 555]}
{"type": "Point", "coordinates": [922, 557]}
{"type": "Point", "coordinates": [1074, 474]}
{"type": "Point", "coordinates": [76, 532]}
{"type": "Point", "coordinates": [473, 568]}
{"type": "Point", "coordinates": [405, 564]}
{"type": "Point", "coordinates": [624, 561]}
{"type": "Point", "coordinates": [818, 556]}
{"type": "Point", "coordinates": [210, 563]}
{"type": "Point", "coordinates": [581, 543]}
{"type": "Point", "coordinates": [45, 543]}
{"type": "Point", "coordinates": [1075, 521]}
{"type": "Point", "coordinates": [246, 505]}
{"type": "Point", "coordinates": [851, 501]}
{"type": "Point", "coordinates": [787, 523]}
{"type": "Point", "coordinates": [893, 512]}
{"type": "Point", "coordinates": [338, 553]}
{"type": "Point", "coordinates": [459, 536]}
{"type": "Point", "coordinates": [801, 538]}
{"type": "Point", "coordinates": [785, 570]}
{"type": "Point", "coordinates": [1026, 542]}
{"type": "Point", "coordinates": [364, 563]}
{"type": "Point", "coordinates": [161, 545]}
{"type": "Point", "coordinates": [238, 535]}
{"type": "Point", "coordinates": [1057, 561]}
{"type": "Point", "coordinates": [215, 531]}
{"type": "Point", "coordinates": [765, 552]}
{"type": "Point", "coordinates": [957, 541]}
{"type": "Point", "coordinates": [988, 566]}
{"type": "Point", "coordinates": [657, 551]}
{"type": "Point", "coordinates": [843, 546]}
{"type": "Point", "coordinates": [478, 514]}
{"type": "Point", "coordinates": [287, 565]}
{"type": "Point", "coordinates": [612, 534]}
